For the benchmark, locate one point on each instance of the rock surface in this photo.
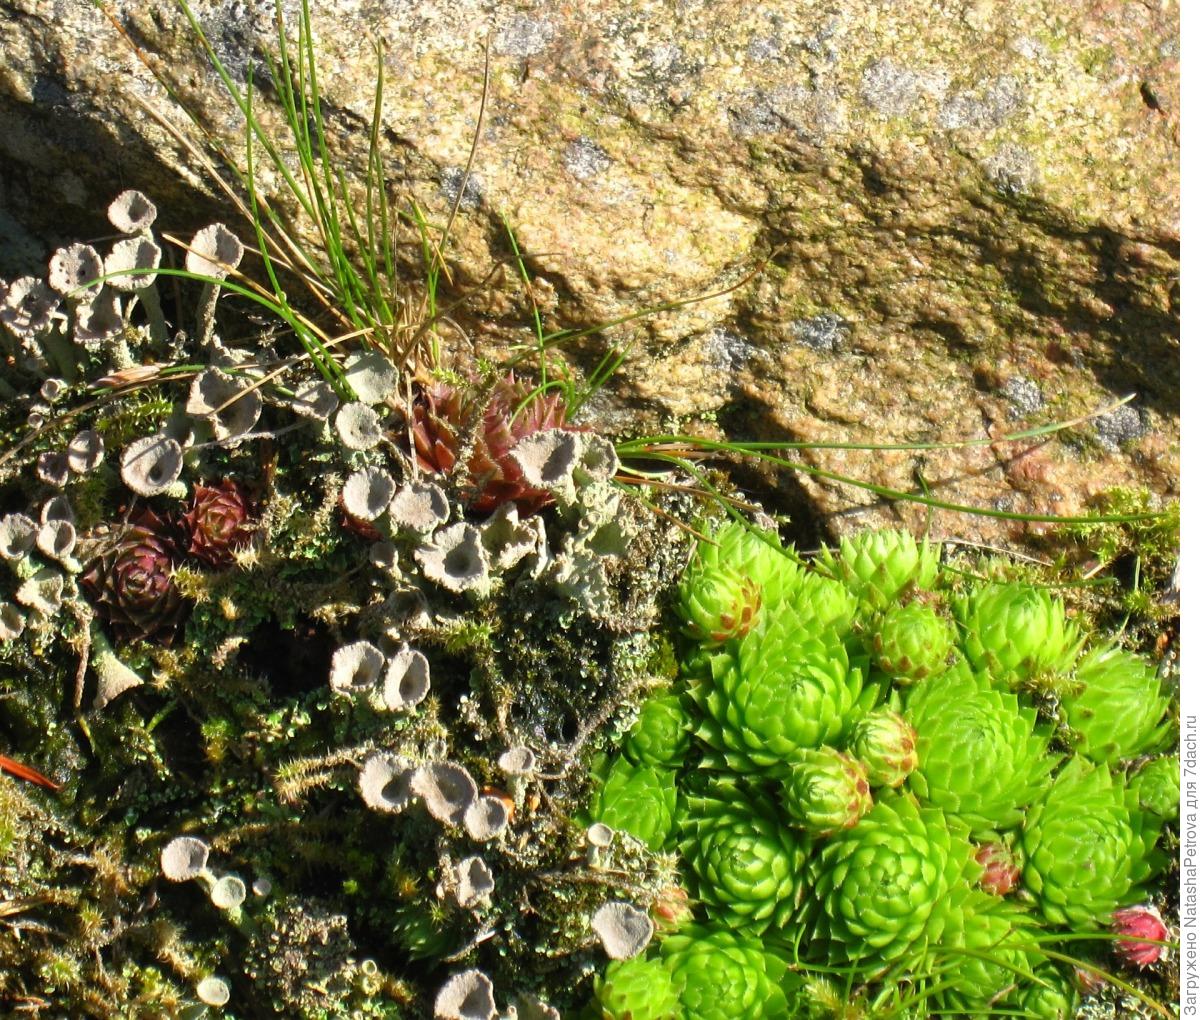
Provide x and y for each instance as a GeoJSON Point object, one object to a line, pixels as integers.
{"type": "Point", "coordinates": [966, 211]}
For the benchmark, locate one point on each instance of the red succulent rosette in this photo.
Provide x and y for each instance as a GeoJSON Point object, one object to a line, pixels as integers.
{"type": "Point", "coordinates": [217, 523]}
{"type": "Point", "coordinates": [129, 583]}
{"type": "Point", "coordinates": [441, 416]}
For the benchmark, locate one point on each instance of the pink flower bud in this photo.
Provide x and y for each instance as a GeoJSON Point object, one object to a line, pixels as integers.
{"type": "Point", "coordinates": [1137, 924]}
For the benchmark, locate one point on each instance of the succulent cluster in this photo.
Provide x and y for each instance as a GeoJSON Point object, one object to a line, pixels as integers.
{"type": "Point", "coordinates": [878, 781]}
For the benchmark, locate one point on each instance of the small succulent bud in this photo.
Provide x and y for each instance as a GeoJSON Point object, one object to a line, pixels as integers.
{"type": "Point", "coordinates": [644, 989]}
{"type": "Point", "coordinates": [672, 909]}
{"type": "Point", "coordinates": [1018, 633]}
{"type": "Point", "coordinates": [442, 414]}
{"type": "Point", "coordinates": [913, 641]}
{"type": "Point", "coordinates": [639, 800]}
{"type": "Point", "coordinates": [1001, 870]}
{"type": "Point", "coordinates": [718, 605]}
{"type": "Point", "coordinates": [827, 791]}
{"type": "Point", "coordinates": [1135, 925]}
{"type": "Point", "coordinates": [886, 745]}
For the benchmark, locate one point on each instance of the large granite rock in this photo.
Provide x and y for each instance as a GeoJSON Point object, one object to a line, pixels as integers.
{"type": "Point", "coordinates": [968, 210]}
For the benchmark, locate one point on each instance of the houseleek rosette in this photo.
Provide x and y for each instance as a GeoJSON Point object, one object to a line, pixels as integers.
{"type": "Point", "coordinates": [747, 864]}
{"type": "Point", "coordinates": [822, 604]}
{"type": "Point", "coordinates": [724, 975]}
{"type": "Point", "coordinates": [661, 735]}
{"type": "Point", "coordinates": [637, 990]}
{"type": "Point", "coordinates": [892, 885]}
{"type": "Point", "coordinates": [913, 641]}
{"type": "Point", "coordinates": [783, 688]}
{"type": "Point", "coordinates": [638, 799]}
{"type": "Point", "coordinates": [736, 551]}
{"type": "Point", "coordinates": [826, 790]}
{"type": "Point", "coordinates": [878, 565]}
{"type": "Point", "coordinates": [1018, 633]}
{"type": "Point", "coordinates": [718, 603]}
{"type": "Point", "coordinates": [1156, 787]}
{"type": "Point", "coordinates": [1052, 998]}
{"type": "Point", "coordinates": [1117, 709]}
{"type": "Point", "coordinates": [886, 744]}
{"type": "Point", "coordinates": [986, 957]}
{"type": "Point", "coordinates": [1087, 848]}
{"type": "Point", "coordinates": [982, 756]}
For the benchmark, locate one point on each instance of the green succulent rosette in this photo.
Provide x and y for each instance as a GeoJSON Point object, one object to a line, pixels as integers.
{"type": "Point", "coordinates": [1017, 633]}
{"type": "Point", "coordinates": [878, 565]}
{"type": "Point", "coordinates": [1156, 787]}
{"type": "Point", "coordinates": [637, 990]}
{"type": "Point", "coordinates": [982, 755]}
{"type": "Point", "coordinates": [725, 974]}
{"type": "Point", "coordinates": [821, 603]}
{"type": "Point", "coordinates": [661, 736]}
{"type": "Point", "coordinates": [895, 884]}
{"type": "Point", "coordinates": [886, 744]}
{"type": "Point", "coordinates": [783, 688]}
{"type": "Point", "coordinates": [637, 799]}
{"type": "Point", "coordinates": [718, 604]}
{"type": "Point", "coordinates": [1087, 847]}
{"type": "Point", "coordinates": [913, 641]}
{"type": "Point", "coordinates": [1052, 998]}
{"type": "Point", "coordinates": [826, 790]}
{"type": "Point", "coordinates": [738, 551]}
{"type": "Point", "coordinates": [747, 865]}
{"type": "Point", "coordinates": [1118, 708]}
{"type": "Point", "coordinates": [986, 957]}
